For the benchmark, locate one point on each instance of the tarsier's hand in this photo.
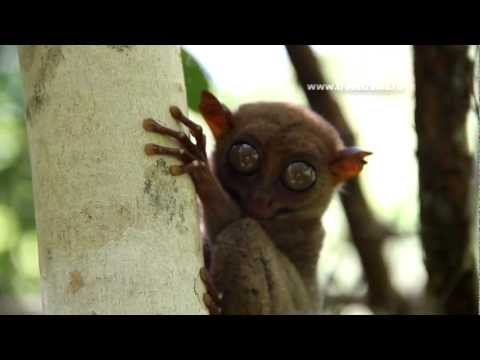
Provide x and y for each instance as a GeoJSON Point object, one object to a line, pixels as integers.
{"type": "Point", "coordinates": [194, 159]}
{"type": "Point", "coordinates": [194, 156]}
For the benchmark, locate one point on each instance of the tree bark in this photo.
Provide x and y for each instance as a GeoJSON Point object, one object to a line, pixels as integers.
{"type": "Point", "coordinates": [367, 233]}
{"type": "Point", "coordinates": [443, 88]}
{"type": "Point", "coordinates": [116, 233]}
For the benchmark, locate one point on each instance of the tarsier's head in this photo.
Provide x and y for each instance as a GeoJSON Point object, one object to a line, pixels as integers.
{"type": "Point", "coordinates": [278, 160]}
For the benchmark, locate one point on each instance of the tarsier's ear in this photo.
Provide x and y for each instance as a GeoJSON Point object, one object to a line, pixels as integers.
{"type": "Point", "coordinates": [217, 116]}
{"type": "Point", "coordinates": [348, 163]}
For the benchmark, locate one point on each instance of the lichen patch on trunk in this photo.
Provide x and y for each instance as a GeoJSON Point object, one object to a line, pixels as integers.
{"type": "Point", "coordinates": [76, 282]}
{"type": "Point", "coordinates": [53, 57]}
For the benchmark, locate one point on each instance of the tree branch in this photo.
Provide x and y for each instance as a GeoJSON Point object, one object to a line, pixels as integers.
{"type": "Point", "coordinates": [367, 233]}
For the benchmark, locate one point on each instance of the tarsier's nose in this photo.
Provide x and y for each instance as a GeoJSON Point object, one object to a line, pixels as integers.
{"type": "Point", "coordinates": [260, 206]}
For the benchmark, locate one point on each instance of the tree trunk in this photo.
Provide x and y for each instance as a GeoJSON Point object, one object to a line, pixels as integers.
{"type": "Point", "coordinates": [117, 234]}
{"type": "Point", "coordinates": [443, 88]}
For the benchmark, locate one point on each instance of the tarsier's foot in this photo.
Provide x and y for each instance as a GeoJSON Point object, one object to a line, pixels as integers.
{"type": "Point", "coordinates": [194, 156]}
{"type": "Point", "coordinates": [212, 298]}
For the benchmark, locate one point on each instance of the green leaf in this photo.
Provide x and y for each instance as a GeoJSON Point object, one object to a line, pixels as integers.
{"type": "Point", "coordinates": [196, 79]}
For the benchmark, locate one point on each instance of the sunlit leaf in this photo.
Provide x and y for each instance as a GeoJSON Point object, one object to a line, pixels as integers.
{"type": "Point", "coordinates": [196, 79]}
{"type": "Point", "coordinates": [26, 255]}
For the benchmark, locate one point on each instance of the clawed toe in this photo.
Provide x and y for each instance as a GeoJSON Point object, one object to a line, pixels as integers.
{"type": "Point", "coordinates": [212, 298]}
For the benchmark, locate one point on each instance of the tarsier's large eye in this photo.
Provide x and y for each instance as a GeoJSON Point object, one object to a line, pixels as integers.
{"type": "Point", "coordinates": [244, 158]}
{"type": "Point", "coordinates": [299, 176]}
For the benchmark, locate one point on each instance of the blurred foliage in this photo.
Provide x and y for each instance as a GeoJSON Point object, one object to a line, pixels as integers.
{"type": "Point", "coordinates": [19, 274]}
{"type": "Point", "coordinates": [196, 79]}
{"type": "Point", "coordinates": [18, 253]}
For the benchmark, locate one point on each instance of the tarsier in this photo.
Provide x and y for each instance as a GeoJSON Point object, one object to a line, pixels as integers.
{"type": "Point", "coordinates": [274, 170]}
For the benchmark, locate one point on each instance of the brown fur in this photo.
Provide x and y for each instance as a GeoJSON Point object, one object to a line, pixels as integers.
{"type": "Point", "coordinates": [264, 239]}
{"type": "Point", "coordinates": [281, 132]}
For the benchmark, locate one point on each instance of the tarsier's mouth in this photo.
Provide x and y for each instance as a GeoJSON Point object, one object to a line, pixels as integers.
{"type": "Point", "coordinates": [255, 214]}
{"type": "Point", "coordinates": [284, 211]}
{"type": "Point", "coordinates": [275, 214]}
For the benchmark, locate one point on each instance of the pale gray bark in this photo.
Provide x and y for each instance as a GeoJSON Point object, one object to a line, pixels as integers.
{"type": "Point", "coordinates": [117, 234]}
